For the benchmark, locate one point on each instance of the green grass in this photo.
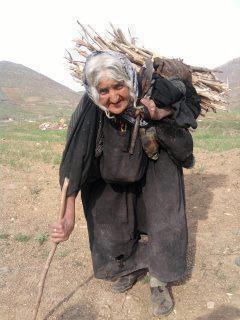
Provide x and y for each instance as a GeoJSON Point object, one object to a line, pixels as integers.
{"type": "Point", "coordinates": [62, 254]}
{"type": "Point", "coordinates": [232, 288]}
{"type": "Point", "coordinates": [20, 237]}
{"type": "Point", "coordinates": [146, 279]}
{"type": "Point", "coordinates": [218, 132]}
{"type": "Point", "coordinates": [23, 144]}
{"type": "Point", "coordinates": [78, 264]}
{"type": "Point", "coordinates": [41, 238]}
{"type": "Point", "coordinates": [35, 190]}
{"type": "Point", "coordinates": [4, 236]}
{"type": "Point", "coordinates": [38, 113]}
{"type": "Point", "coordinates": [25, 131]}
{"type": "Point", "coordinates": [45, 254]}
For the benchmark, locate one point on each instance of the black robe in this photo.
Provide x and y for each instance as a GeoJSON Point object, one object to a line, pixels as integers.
{"type": "Point", "coordinates": [119, 212]}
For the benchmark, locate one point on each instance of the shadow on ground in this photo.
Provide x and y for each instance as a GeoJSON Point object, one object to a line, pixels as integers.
{"type": "Point", "coordinates": [222, 313]}
{"type": "Point", "coordinates": [199, 196]}
{"type": "Point", "coordinates": [81, 311]}
{"type": "Point", "coordinates": [78, 309]}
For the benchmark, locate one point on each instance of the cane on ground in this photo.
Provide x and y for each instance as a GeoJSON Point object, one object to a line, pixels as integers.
{"type": "Point", "coordinates": [52, 252]}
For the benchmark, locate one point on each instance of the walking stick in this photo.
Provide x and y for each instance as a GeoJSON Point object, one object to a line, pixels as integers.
{"type": "Point", "coordinates": [51, 253]}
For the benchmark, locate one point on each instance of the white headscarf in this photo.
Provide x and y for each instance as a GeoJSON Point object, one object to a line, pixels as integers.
{"type": "Point", "coordinates": [128, 69]}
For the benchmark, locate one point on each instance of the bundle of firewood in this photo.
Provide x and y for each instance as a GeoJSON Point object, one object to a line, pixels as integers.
{"type": "Point", "coordinates": [211, 90]}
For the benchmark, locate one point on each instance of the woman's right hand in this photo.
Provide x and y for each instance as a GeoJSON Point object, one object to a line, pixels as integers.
{"type": "Point", "coordinates": [154, 113]}
{"type": "Point", "coordinates": [61, 230]}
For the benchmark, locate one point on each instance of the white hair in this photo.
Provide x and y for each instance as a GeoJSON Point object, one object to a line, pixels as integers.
{"type": "Point", "coordinates": [105, 65]}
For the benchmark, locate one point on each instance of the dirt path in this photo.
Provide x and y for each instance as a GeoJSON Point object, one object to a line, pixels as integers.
{"type": "Point", "coordinates": [28, 204]}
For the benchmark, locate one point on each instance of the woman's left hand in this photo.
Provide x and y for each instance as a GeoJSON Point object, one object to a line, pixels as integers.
{"type": "Point", "coordinates": [153, 113]}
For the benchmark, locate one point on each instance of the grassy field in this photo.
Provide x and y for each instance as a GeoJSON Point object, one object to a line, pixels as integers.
{"type": "Point", "coordinates": [38, 112]}
{"type": "Point", "coordinates": [218, 132]}
{"type": "Point", "coordinates": [22, 143]}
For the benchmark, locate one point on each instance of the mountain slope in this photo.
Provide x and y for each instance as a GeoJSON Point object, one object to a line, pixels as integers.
{"type": "Point", "coordinates": [20, 85]}
{"type": "Point", "coordinates": [25, 91]}
{"type": "Point", "coordinates": [231, 75]}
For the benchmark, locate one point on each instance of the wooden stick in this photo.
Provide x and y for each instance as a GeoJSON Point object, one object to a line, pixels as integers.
{"type": "Point", "coordinates": [97, 35]}
{"type": "Point", "coordinates": [200, 69]}
{"type": "Point", "coordinates": [134, 134]}
{"type": "Point", "coordinates": [87, 35]}
{"type": "Point", "coordinates": [82, 43]}
{"type": "Point", "coordinates": [101, 43]}
{"type": "Point", "coordinates": [54, 247]}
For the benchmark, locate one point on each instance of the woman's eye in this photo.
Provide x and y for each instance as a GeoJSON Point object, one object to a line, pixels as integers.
{"type": "Point", "coordinates": [103, 91]}
{"type": "Point", "coordinates": [118, 86]}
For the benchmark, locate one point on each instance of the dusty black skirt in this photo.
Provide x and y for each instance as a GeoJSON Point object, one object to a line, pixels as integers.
{"type": "Point", "coordinates": [117, 216]}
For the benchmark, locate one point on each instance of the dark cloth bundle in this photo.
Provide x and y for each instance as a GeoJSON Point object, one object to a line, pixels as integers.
{"type": "Point", "coordinates": [179, 96]}
{"type": "Point", "coordinates": [164, 92]}
{"type": "Point", "coordinates": [177, 142]}
{"type": "Point", "coordinates": [172, 133]}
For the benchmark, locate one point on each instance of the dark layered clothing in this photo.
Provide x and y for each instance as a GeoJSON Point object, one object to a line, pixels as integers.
{"type": "Point", "coordinates": [126, 196]}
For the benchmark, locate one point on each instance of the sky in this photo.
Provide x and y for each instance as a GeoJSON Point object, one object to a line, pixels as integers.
{"type": "Point", "coordinates": [36, 33]}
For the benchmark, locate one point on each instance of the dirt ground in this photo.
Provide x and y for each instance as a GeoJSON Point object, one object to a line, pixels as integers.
{"type": "Point", "coordinates": [29, 202]}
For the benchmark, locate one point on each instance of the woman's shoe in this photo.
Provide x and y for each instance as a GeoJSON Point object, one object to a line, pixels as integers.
{"type": "Point", "coordinates": [162, 303]}
{"type": "Point", "coordinates": [126, 282]}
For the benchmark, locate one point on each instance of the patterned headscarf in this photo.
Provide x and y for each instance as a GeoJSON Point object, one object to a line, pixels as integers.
{"type": "Point", "coordinates": [130, 72]}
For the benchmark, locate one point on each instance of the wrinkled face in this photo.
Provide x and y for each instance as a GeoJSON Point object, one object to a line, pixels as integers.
{"type": "Point", "coordinates": [114, 95]}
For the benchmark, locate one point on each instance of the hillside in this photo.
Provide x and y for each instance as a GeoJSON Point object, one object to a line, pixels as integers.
{"type": "Point", "coordinates": [22, 88]}
{"type": "Point", "coordinates": [231, 75]}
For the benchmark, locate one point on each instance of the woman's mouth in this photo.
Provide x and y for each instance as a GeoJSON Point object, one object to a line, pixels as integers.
{"type": "Point", "coordinates": [115, 105]}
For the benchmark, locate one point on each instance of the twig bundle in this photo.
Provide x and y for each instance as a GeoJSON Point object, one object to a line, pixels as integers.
{"type": "Point", "coordinates": [211, 90]}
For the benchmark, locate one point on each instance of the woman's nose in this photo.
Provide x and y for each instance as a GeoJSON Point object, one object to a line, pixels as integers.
{"type": "Point", "coordinates": [113, 96]}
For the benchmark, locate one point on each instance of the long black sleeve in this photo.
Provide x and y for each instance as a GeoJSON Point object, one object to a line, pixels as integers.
{"type": "Point", "coordinates": [79, 151]}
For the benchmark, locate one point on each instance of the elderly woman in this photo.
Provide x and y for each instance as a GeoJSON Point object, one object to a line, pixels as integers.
{"type": "Point", "coordinates": [133, 203]}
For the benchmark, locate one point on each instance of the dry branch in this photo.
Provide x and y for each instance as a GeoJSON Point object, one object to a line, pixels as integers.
{"type": "Point", "coordinates": [210, 89]}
